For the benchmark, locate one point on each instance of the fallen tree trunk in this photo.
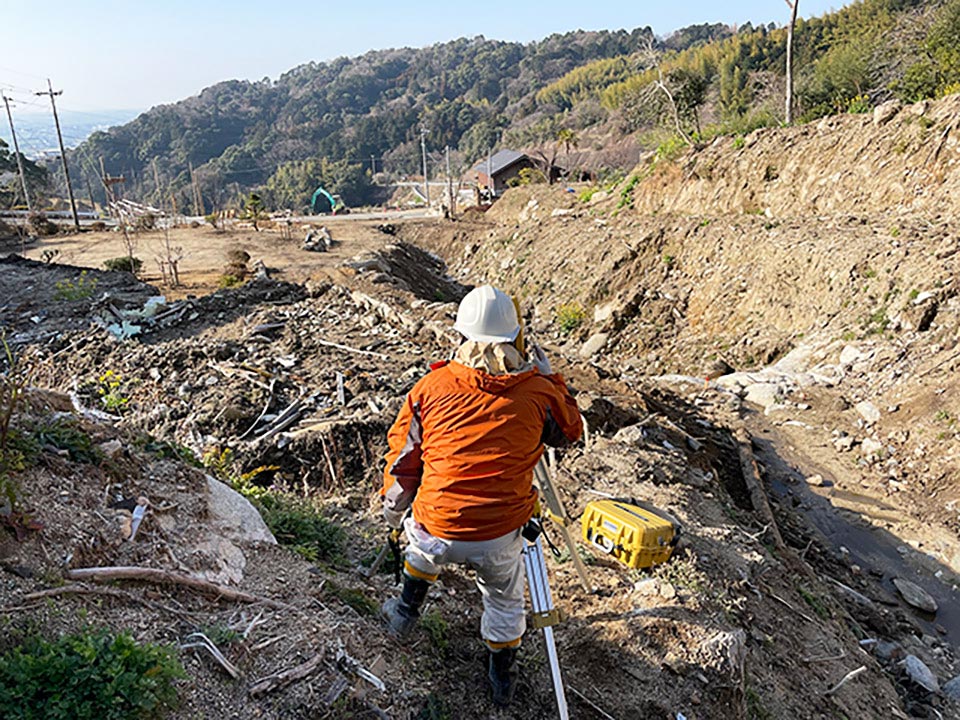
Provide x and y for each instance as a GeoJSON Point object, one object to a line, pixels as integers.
{"type": "Point", "coordinates": [164, 577]}
{"type": "Point", "coordinates": [758, 496]}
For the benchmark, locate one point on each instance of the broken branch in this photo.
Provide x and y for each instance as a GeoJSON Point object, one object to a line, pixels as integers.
{"type": "Point", "coordinates": [846, 678]}
{"type": "Point", "coordinates": [593, 705]}
{"type": "Point", "coordinates": [163, 577]}
{"type": "Point", "coordinates": [284, 678]}
{"type": "Point", "coordinates": [758, 496]}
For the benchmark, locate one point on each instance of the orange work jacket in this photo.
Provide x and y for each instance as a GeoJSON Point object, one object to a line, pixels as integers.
{"type": "Point", "coordinates": [464, 446]}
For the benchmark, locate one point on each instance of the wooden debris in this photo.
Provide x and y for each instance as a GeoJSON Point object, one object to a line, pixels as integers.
{"type": "Point", "coordinates": [347, 348]}
{"type": "Point", "coordinates": [284, 678]}
{"type": "Point", "coordinates": [78, 589]}
{"type": "Point", "coordinates": [340, 686]}
{"type": "Point", "coordinates": [758, 496]}
{"type": "Point", "coordinates": [201, 641]}
{"type": "Point", "coordinates": [846, 678]}
{"type": "Point", "coordinates": [285, 419]}
{"type": "Point", "coordinates": [164, 577]}
{"type": "Point", "coordinates": [266, 406]}
{"type": "Point", "coordinates": [603, 713]}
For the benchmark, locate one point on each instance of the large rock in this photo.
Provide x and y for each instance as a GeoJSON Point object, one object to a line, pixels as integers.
{"type": "Point", "coordinates": [868, 411]}
{"type": "Point", "coordinates": [850, 355]}
{"type": "Point", "coordinates": [885, 112]}
{"type": "Point", "coordinates": [920, 674]}
{"type": "Point", "coordinates": [915, 595]}
{"type": "Point", "coordinates": [951, 689]}
{"type": "Point", "coordinates": [870, 447]}
{"type": "Point", "coordinates": [232, 515]}
{"type": "Point", "coordinates": [594, 345]}
{"type": "Point", "coordinates": [764, 394]}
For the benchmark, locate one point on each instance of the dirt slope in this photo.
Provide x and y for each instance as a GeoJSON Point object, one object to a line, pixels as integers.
{"type": "Point", "coordinates": [899, 160]}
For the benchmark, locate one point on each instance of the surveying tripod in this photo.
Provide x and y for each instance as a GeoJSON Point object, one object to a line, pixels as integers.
{"type": "Point", "coordinates": [545, 615]}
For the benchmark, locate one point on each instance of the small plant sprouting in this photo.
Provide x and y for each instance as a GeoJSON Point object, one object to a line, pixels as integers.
{"type": "Point", "coordinates": [570, 316]}
{"type": "Point", "coordinates": [81, 289]}
{"type": "Point", "coordinates": [438, 630]}
{"type": "Point", "coordinates": [110, 390]}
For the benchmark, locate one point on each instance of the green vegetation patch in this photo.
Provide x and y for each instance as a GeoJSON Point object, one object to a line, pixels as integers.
{"type": "Point", "coordinates": [92, 674]}
{"type": "Point", "coordinates": [353, 598]}
{"type": "Point", "coordinates": [124, 264]}
{"type": "Point", "coordinates": [66, 434]}
{"type": "Point", "coordinates": [80, 289]}
{"type": "Point", "coordinates": [570, 316]}
{"type": "Point", "coordinates": [296, 522]}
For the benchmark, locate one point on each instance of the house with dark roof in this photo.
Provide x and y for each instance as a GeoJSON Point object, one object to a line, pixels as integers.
{"type": "Point", "coordinates": [499, 169]}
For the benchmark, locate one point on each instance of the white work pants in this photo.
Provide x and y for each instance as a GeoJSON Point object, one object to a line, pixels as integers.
{"type": "Point", "coordinates": [499, 567]}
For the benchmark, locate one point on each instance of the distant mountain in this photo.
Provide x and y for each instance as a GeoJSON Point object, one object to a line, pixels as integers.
{"type": "Point", "coordinates": [598, 96]}
{"type": "Point", "coordinates": [238, 134]}
{"type": "Point", "coordinates": [38, 136]}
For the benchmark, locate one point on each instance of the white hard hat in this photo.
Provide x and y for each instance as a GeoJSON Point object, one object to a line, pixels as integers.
{"type": "Point", "coordinates": [487, 315]}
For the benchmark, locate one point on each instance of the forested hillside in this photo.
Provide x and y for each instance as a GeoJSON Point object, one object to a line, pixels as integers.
{"type": "Point", "coordinates": [11, 193]}
{"type": "Point", "coordinates": [594, 97]}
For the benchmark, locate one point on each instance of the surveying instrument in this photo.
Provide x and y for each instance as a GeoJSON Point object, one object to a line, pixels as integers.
{"type": "Point", "coordinates": [545, 614]}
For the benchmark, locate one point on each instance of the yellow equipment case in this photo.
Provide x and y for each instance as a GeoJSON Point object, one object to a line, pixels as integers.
{"type": "Point", "coordinates": [639, 537]}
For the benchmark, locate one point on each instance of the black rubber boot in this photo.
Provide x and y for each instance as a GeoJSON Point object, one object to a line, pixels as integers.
{"type": "Point", "coordinates": [503, 673]}
{"type": "Point", "coordinates": [402, 613]}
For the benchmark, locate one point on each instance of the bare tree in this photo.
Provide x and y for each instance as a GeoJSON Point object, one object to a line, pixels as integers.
{"type": "Point", "coordinates": [792, 4]}
{"type": "Point", "coordinates": [651, 58]}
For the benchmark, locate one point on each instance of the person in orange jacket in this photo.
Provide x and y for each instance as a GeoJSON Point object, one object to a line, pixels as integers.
{"type": "Point", "coordinates": [462, 453]}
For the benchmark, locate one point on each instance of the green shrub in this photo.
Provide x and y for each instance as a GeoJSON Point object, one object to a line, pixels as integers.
{"type": "Point", "coordinates": [671, 148]}
{"type": "Point", "coordinates": [228, 281]}
{"type": "Point", "coordinates": [80, 289]}
{"type": "Point", "coordinates": [626, 194]}
{"type": "Point", "coordinates": [124, 264]}
{"type": "Point", "coordinates": [296, 523]}
{"type": "Point", "coordinates": [570, 316]}
{"type": "Point", "coordinates": [436, 627]}
{"type": "Point", "coordinates": [93, 674]}
{"type": "Point", "coordinates": [353, 598]}
{"type": "Point", "coordinates": [586, 195]}
{"type": "Point", "coordinates": [65, 434]}
{"type": "Point", "coordinates": [859, 105]}
{"type": "Point", "coordinates": [111, 389]}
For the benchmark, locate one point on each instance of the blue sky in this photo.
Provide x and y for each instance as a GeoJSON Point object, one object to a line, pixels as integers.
{"type": "Point", "coordinates": [112, 54]}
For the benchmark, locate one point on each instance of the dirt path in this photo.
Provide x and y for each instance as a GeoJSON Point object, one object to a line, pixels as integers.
{"type": "Point", "coordinates": [204, 251]}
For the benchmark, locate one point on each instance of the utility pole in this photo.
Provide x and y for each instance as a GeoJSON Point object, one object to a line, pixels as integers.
{"type": "Point", "coordinates": [196, 191]}
{"type": "Point", "coordinates": [156, 181]}
{"type": "Point", "coordinates": [426, 180]}
{"type": "Point", "coordinates": [491, 186]}
{"type": "Point", "coordinates": [16, 149]}
{"type": "Point", "coordinates": [451, 203]}
{"type": "Point", "coordinates": [373, 166]}
{"type": "Point", "coordinates": [788, 114]}
{"type": "Point", "coordinates": [63, 153]}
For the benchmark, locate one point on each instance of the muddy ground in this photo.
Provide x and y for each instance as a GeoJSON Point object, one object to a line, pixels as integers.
{"type": "Point", "coordinates": [784, 386]}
